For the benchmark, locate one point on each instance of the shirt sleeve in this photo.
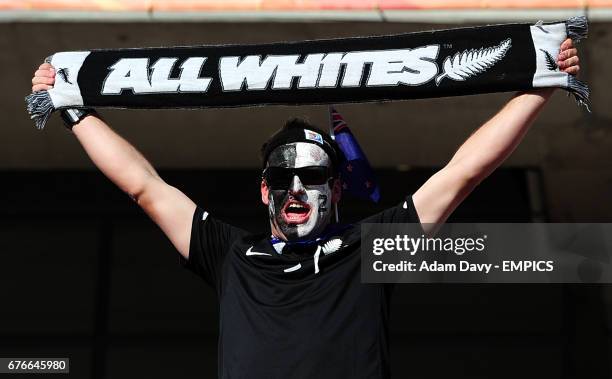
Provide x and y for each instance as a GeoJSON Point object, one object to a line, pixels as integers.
{"type": "Point", "coordinates": [210, 242]}
{"type": "Point", "coordinates": [405, 212]}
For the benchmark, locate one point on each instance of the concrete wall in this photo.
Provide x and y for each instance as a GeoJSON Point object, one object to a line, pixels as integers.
{"type": "Point", "coordinates": [573, 149]}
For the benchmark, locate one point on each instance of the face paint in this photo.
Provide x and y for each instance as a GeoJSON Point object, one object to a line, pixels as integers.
{"type": "Point", "coordinates": [323, 203]}
{"type": "Point", "coordinates": [299, 211]}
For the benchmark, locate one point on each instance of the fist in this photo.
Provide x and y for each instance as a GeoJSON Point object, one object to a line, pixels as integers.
{"type": "Point", "coordinates": [568, 58]}
{"type": "Point", "coordinates": [44, 78]}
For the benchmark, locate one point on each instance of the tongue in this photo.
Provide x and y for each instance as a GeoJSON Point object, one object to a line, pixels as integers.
{"type": "Point", "coordinates": [296, 216]}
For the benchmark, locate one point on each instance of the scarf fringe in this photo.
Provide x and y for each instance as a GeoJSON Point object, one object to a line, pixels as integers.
{"type": "Point", "coordinates": [40, 107]}
{"type": "Point", "coordinates": [577, 28]}
{"type": "Point", "coordinates": [580, 91]}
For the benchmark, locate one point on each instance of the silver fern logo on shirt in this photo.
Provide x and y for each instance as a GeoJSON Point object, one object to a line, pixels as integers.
{"type": "Point", "coordinates": [331, 246]}
{"type": "Point", "coordinates": [372, 68]}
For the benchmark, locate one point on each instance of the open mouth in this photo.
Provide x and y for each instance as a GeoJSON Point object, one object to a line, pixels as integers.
{"type": "Point", "coordinates": [295, 212]}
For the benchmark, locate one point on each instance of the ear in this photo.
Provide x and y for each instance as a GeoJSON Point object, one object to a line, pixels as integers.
{"type": "Point", "coordinates": [265, 191]}
{"type": "Point", "coordinates": [336, 191]}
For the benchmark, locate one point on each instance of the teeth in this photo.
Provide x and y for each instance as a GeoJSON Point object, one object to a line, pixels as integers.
{"type": "Point", "coordinates": [296, 206]}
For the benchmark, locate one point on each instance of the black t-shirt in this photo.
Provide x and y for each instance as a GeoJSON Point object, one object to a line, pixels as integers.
{"type": "Point", "coordinates": [295, 316]}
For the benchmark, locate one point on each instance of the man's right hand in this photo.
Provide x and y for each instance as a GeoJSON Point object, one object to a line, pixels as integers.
{"type": "Point", "coordinates": [44, 78]}
{"type": "Point", "coordinates": [168, 207]}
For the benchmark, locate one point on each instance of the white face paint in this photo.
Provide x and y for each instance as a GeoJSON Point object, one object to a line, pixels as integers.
{"type": "Point", "coordinates": [299, 211]}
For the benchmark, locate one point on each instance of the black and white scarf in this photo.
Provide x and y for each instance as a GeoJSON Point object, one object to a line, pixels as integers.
{"type": "Point", "coordinates": [452, 62]}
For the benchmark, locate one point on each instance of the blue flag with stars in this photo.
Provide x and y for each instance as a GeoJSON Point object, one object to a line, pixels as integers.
{"type": "Point", "coordinates": [356, 174]}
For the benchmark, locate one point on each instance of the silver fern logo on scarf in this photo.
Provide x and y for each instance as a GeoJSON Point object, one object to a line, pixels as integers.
{"type": "Point", "coordinates": [471, 62]}
{"type": "Point", "coordinates": [387, 68]}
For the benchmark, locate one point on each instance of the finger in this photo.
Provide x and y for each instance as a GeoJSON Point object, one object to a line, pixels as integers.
{"type": "Point", "coordinates": [42, 80]}
{"type": "Point", "coordinates": [45, 66]}
{"type": "Point", "coordinates": [573, 61]}
{"type": "Point", "coordinates": [567, 53]}
{"type": "Point", "coordinates": [44, 73]}
{"type": "Point", "coordinates": [41, 87]}
{"type": "Point", "coordinates": [567, 44]}
{"type": "Point", "coordinates": [574, 70]}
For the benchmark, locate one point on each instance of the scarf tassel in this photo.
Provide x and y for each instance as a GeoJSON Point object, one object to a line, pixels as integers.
{"type": "Point", "coordinates": [577, 28]}
{"type": "Point", "coordinates": [40, 107]}
{"type": "Point", "coordinates": [580, 91]}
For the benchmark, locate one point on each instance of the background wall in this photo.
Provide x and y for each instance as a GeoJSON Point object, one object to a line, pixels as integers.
{"type": "Point", "coordinates": [85, 274]}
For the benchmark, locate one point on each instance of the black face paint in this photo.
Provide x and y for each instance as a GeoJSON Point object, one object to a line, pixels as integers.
{"type": "Point", "coordinates": [322, 203]}
{"type": "Point", "coordinates": [278, 199]}
{"type": "Point", "coordinates": [283, 156]}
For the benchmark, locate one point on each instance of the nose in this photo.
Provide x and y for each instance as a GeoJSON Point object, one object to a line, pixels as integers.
{"type": "Point", "coordinates": [296, 186]}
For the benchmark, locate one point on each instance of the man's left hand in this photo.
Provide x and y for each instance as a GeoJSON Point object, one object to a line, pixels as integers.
{"type": "Point", "coordinates": [567, 60]}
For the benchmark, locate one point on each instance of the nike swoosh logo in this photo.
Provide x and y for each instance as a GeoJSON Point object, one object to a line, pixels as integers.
{"type": "Point", "coordinates": [294, 268]}
{"type": "Point", "coordinates": [251, 252]}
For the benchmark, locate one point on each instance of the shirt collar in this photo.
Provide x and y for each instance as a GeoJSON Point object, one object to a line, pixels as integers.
{"type": "Point", "coordinates": [330, 230]}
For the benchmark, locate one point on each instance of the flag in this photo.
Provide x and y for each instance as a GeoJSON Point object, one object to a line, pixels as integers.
{"type": "Point", "coordinates": [355, 171]}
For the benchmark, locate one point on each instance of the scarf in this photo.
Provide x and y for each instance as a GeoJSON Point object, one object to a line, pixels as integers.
{"type": "Point", "coordinates": [453, 62]}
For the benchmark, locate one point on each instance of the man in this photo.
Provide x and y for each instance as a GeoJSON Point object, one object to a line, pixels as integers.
{"type": "Point", "coordinates": [291, 303]}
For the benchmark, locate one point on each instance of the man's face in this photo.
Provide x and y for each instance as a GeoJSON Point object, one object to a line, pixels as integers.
{"type": "Point", "coordinates": [299, 194]}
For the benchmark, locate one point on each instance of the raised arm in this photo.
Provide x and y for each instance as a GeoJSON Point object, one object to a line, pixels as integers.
{"type": "Point", "coordinates": [485, 149]}
{"type": "Point", "coordinates": [168, 207]}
